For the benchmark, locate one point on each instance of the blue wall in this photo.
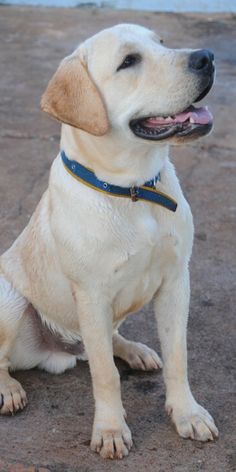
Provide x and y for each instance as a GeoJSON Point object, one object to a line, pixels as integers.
{"type": "Point", "coordinates": [151, 5]}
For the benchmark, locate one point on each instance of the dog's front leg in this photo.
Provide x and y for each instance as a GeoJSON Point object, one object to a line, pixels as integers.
{"type": "Point", "coordinates": [111, 436]}
{"type": "Point", "coordinates": [171, 308]}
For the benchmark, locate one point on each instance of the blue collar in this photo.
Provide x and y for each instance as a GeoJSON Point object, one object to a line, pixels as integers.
{"type": "Point", "coordinates": [146, 192]}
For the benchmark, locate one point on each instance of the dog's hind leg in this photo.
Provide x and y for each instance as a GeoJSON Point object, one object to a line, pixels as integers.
{"type": "Point", "coordinates": [38, 345]}
{"type": "Point", "coordinates": [12, 307]}
{"type": "Point", "coordinates": [137, 355]}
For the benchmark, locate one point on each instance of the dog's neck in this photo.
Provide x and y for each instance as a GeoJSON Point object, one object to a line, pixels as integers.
{"type": "Point", "coordinates": [115, 159]}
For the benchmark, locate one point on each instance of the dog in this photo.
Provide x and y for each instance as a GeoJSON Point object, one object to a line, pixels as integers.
{"type": "Point", "coordinates": [112, 231]}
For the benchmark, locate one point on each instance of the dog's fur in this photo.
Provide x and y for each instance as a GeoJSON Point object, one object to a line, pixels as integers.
{"type": "Point", "coordinates": [86, 260]}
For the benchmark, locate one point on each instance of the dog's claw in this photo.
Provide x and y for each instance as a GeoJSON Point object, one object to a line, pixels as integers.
{"type": "Point", "coordinates": [194, 423]}
{"type": "Point", "coordinates": [112, 444]}
{"type": "Point", "coordinates": [13, 396]}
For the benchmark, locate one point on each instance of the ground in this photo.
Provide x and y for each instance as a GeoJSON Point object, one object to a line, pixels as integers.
{"type": "Point", "coordinates": [53, 432]}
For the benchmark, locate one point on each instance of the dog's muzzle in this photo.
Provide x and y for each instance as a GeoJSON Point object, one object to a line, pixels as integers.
{"type": "Point", "coordinates": [191, 122]}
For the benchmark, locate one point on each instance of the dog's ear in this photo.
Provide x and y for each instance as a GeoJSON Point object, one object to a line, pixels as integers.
{"type": "Point", "coordinates": [73, 98]}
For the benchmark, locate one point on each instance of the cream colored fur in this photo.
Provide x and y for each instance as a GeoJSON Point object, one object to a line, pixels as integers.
{"type": "Point", "coordinates": [86, 260]}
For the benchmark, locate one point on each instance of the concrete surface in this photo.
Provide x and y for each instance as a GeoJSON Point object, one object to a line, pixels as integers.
{"type": "Point", "coordinates": [53, 432]}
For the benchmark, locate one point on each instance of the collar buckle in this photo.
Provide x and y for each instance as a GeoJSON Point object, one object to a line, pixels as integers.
{"type": "Point", "coordinates": [134, 194]}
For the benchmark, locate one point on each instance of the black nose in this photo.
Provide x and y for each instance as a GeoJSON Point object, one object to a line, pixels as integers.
{"type": "Point", "coordinates": [201, 61]}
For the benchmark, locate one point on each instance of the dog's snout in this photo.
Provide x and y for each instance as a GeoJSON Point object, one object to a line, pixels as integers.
{"type": "Point", "coordinates": [201, 61]}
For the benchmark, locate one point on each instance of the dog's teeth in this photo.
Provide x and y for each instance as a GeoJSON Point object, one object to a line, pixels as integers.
{"type": "Point", "coordinates": [191, 120]}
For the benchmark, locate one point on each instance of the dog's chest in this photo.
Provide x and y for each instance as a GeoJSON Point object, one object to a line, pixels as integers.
{"type": "Point", "coordinates": [137, 275]}
{"type": "Point", "coordinates": [125, 256]}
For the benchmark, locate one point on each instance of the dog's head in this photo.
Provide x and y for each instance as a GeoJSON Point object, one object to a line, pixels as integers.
{"type": "Point", "coordinates": [125, 79]}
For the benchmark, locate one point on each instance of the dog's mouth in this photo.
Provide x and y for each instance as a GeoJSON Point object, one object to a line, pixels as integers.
{"type": "Point", "coordinates": [191, 122]}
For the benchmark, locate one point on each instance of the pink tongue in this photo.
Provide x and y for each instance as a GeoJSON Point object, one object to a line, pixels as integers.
{"type": "Point", "coordinates": [200, 116]}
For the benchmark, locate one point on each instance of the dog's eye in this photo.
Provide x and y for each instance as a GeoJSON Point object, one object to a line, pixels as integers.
{"type": "Point", "coordinates": [129, 61]}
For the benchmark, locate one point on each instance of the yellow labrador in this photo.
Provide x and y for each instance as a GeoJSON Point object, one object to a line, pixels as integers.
{"type": "Point", "coordinates": [92, 252]}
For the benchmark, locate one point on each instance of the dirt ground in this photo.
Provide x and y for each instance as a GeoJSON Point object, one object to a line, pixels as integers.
{"type": "Point", "coordinates": [53, 432]}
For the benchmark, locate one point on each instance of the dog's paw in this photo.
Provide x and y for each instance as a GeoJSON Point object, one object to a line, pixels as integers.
{"type": "Point", "coordinates": [12, 395]}
{"type": "Point", "coordinates": [141, 357]}
{"type": "Point", "coordinates": [111, 443]}
{"type": "Point", "coordinates": [194, 422]}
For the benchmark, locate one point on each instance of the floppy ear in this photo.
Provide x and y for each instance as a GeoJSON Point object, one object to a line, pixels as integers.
{"type": "Point", "coordinates": [72, 97]}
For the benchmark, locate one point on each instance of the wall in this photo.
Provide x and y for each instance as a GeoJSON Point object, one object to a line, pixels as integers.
{"type": "Point", "coordinates": [153, 5]}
